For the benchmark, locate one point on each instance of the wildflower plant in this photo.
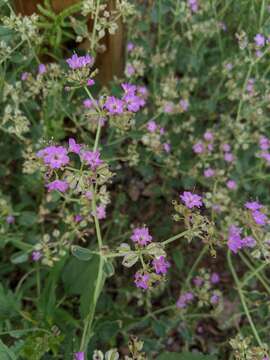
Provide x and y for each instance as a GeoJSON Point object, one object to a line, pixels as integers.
{"type": "Point", "coordinates": [134, 217]}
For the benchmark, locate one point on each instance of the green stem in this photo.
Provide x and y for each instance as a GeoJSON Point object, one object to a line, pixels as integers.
{"type": "Point", "coordinates": [94, 27]}
{"type": "Point", "coordinates": [100, 278]}
{"type": "Point", "coordinates": [196, 263]}
{"type": "Point", "coordinates": [262, 14]}
{"type": "Point", "coordinates": [254, 272]}
{"type": "Point", "coordinates": [243, 300]}
{"type": "Point", "coordinates": [178, 236]}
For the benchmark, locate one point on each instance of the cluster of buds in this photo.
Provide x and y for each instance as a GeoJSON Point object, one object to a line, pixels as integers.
{"type": "Point", "coordinates": [151, 256]}
{"type": "Point", "coordinates": [154, 138]}
{"type": "Point", "coordinates": [244, 350]}
{"type": "Point", "coordinates": [203, 292]}
{"type": "Point", "coordinates": [197, 225]}
{"type": "Point", "coordinates": [253, 234]}
{"type": "Point", "coordinates": [135, 65]}
{"type": "Point", "coordinates": [120, 111]}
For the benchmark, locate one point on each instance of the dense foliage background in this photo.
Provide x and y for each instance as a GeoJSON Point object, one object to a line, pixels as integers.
{"type": "Point", "coordinates": [134, 213]}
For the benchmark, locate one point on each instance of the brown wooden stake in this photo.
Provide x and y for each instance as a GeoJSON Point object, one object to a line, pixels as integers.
{"type": "Point", "coordinates": [111, 62]}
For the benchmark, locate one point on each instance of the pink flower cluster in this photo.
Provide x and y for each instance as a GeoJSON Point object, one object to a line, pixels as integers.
{"type": "Point", "coordinates": [56, 157]}
{"type": "Point", "coordinates": [204, 282]}
{"type": "Point", "coordinates": [236, 242]}
{"type": "Point", "coordinates": [141, 236]}
{"type": "Point", "coordinates": [264, 144]}
{"type": "Point", "coordinates": [184, 300]}
{"type": "Point", "coordinates": [205, 145]}
{"type": "Point", "coordinates": [193, 5]}
{"type": "Point", "coordinates": [258, 216]}
{"type": "Point", "coordinates": [153, 127]}
{"type": "Point", "coordinates": [191, 200]}
{"type": "Point", "coordinates": [132, 100]}
{"type": "Point", "coordinates": [159, 264]}
{"type": "Point", "coordinates": [77, 62]}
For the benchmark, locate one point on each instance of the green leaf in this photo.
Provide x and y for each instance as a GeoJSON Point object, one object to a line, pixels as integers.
{"type": "Point", "coordinates": [28, 218]}
{"type": "Point", "coordinates": [178, 259]}
{"type": "Point", "coordinates": [6, 353]}
{"type": "Point", "coordinates": [108, 269]}
{"type": "Point", "coordinates": [185, 356]}
{"type": "Point", "coordinates": [81, 253]}
{"type": "Point", "coordinates": [89, 285]}
{"type": "Point", "coordinates": [9, 304]}
{"type": "Point", "coordinates": [19, 257]}
{"type": "Point", "coordinates": [77, 274]}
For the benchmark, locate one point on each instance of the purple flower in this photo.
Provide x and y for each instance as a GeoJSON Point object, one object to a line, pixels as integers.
{"type": "Point", "coordinates": [54, 156]}
{"type": "Point", "coordinates": [191, 200]}
{"type": "Point", "coordinates": [36, 255]}
{"type": "Point", "coordinates": [89, 195]}
{"type": "Point", "coordinates": [130, 46]}
{"type": "Point", "coordinates": [184, 300]}
{"type": "Point", "coordinates": [141, 236]}
{"type": "Point", "coordinates": [79, 355]}
{"type": "Point", "coordinates": [161, 265]}
{"type": "Point", "coordinates": [73, 146]}
{"type": "Point", "coordinates": [10, 219]}
{"type": "Point", "coordinates": [234, 239]}
{"type": "Point", "coordinates": [231, 184]}
{"type": "Point", "coordinates": [259, 40]}
{"type": "Point", "coordinates": [129, 89]}
{"type": "Point", "coordinates": [253, 205]}
{"type": "Point", "coordinates": [78, 218]}
{"type": "Point", "coordinates": [90, 82]}
{"type": "Point", "coordinates": [77, 62]}
{"type": "Point", "coordinates": [58, 185]}
{"type": "Point", "coordinates": [142, 91]}
{"type": "Point", "coordinates": [226, 147]}
{"type": "Point", "coordinates": [198, 148]}
{"type": "Point", "coordinates": [228, 157]}
{"type": "Point", "coordinates": [151, 126]}
{"type": "Point", "coordinates": [184, 104]}
{"type": "Point", "coordinates": [24, 76]}
{"type": "Point", "coordinates": [198, 281]}
{"type": "Point", "coordinates": [92, 158]}
{"type": "Point", "coordinates": [114, 105]}
{"type": "Point", "coordinates": [264, 143]}
{"type": "Point", "coordinates": [88, 103]}
{"type": "Point", "coordinates": [250, 86]}
{"type": "Point", "coordinates": [193, 5]}
{"type": "Point", "coordinates": [209, 173]}
{"type": "Point", "coordinates": [133, 102]}
{"type": "Point", "coordinates": [168, 107]}
{"type": "Point", "coordinates": [142, 280]}
{"type": "Point", "coordinates": [259, 217]}
{"type": "Point", "coordinates": [167, 147]}
{"type": "Point", "coordinates": [266, 156]}
{"type": "Point", "coordinates": [215, 278]}
{"type": "Point", "coordinates": [214, 299]}
{"type": "Point", "coordinates": [130, 70]}
{"type": "Point", "coordinates": [101, 212]}
{"type": "Point", "coordinates": [249, 241]}
{"type": "Point", "coordinates": [42, 69]}
{"type": "Point", "coordinates": [208, 136]}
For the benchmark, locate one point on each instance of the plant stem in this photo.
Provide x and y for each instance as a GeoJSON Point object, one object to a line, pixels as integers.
{"type": "Point", "coordinates": [178, 236]}
{"type": "Point", "coordinates": [100, 278]}
{"type": "Point", "coordinates": [196, 263]}
{"type": "Point", "coordinates": [255, 272]}
{"type": "Point", "coordinates": [243, 300]}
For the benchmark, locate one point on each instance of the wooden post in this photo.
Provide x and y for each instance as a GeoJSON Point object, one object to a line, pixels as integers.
{"type": "Point", "coordinates": [111, 62]}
